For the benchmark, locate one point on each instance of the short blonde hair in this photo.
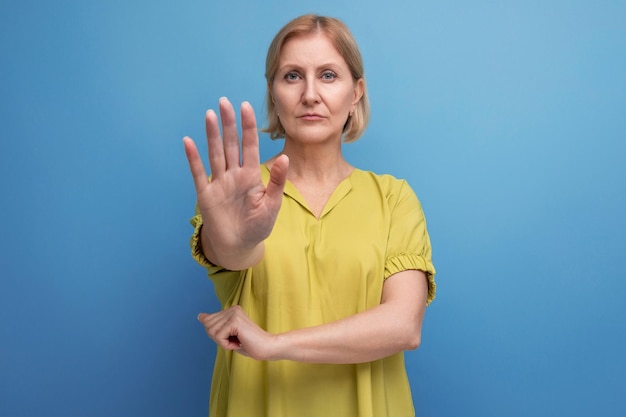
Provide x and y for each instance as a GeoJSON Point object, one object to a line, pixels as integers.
{"type": "Point", "coordinates": [340, 36]}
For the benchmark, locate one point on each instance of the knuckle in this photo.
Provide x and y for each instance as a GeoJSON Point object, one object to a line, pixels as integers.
{"type": "Point", "coordinates": [236, 310]}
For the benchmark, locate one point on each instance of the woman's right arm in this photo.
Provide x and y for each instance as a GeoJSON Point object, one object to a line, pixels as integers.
{"type": "Point", "coordinates": [238, 211]}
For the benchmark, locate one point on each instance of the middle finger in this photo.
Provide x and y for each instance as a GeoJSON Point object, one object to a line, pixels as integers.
{"type": "Point", "coordinates": [229, 133]}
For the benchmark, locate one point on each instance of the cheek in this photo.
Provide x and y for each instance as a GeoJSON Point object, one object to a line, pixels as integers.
{"type": "Point", "coordinates": [282, 103]}
{"type": "Point", "coordinates": [344, 99]}
{"type": "Point", "coordinates": [345, 105]}
{"type": "Point", "coordinates": [280, 108]}
{"type": "Point", "coordinates": [284, 91]}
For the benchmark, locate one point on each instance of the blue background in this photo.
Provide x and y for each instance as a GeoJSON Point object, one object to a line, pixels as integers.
{"type": "Point", "coordinates": [507, 118]}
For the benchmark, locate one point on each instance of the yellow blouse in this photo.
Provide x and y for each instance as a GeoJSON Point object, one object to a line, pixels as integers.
{"type": "Point", "coordinates": [317, 271]}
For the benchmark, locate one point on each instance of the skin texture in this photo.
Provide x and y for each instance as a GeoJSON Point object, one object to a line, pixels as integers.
{"type": "Point", "coordinates": [313, 91]}
{"type": "Point", "coordinates": [314, 95]}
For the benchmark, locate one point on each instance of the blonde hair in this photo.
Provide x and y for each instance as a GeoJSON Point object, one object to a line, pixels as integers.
{"type": "Point", "coordinates": [340, 36]}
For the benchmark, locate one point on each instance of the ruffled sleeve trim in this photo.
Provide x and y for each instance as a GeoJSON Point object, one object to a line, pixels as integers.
{"type": "Point", "coordinates": [196, 244]}
{"type": "Point", "coordinates": [408, 261]}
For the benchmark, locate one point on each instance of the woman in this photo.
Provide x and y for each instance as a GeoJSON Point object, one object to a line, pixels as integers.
{"type": "Point", "coordinates": [323, 270]}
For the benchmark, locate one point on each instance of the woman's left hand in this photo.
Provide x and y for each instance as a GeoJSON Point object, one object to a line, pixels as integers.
{"type": "Point", "coordinates": [232, 329]}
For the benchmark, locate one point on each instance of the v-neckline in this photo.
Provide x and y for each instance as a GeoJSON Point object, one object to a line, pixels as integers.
{"type": "Point", "coordinates": [341, 190]}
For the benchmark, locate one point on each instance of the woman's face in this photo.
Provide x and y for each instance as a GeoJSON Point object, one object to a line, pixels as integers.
{"type": "Point", "coordinates": [313, 90]}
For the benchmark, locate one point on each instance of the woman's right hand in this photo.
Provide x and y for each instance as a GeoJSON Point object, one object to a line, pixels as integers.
{"type": "Point", "coordinates": [238, 210]}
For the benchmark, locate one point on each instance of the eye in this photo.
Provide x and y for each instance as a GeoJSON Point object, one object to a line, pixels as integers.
{"type": "Point", "coordinates": [292, 76]}
{"type": "Point", "coordinates": [328, 75]}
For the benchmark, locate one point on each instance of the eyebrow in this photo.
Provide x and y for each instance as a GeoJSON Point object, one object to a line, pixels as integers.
{"type": "Point", "coordinates": [330, 65]}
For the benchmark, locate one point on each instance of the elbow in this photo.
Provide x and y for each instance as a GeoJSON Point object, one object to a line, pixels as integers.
{"type": "Point", "coordinates": [413, 341]}
{"type": "Point", "coordinates": [412, 337]}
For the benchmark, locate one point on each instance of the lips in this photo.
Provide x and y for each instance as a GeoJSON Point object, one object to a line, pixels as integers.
{"type": "Point", "coordinates": [311, 116]}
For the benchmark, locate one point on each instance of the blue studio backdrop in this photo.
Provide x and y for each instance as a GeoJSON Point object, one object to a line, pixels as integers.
{"type": "Point", "coordinates": [507, 118]}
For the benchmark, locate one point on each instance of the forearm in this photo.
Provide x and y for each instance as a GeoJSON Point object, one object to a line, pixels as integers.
{"type": "Point", "coordinates": [363, 337]}
{"type": "Point", "coordinates": [392, 326]}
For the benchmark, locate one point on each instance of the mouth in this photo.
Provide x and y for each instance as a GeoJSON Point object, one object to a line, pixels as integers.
{"type": "Point", "coordinates": [311, 117]}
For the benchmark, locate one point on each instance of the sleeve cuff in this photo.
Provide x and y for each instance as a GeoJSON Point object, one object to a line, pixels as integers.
{"type": "Point", "coordinates": [404, 262]}
{"type": "Point", "coordinates": [196, 244]}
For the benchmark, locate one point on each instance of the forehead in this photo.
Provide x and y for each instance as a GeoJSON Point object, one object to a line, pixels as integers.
{"type": "Point", "coordinates": [315, 48]}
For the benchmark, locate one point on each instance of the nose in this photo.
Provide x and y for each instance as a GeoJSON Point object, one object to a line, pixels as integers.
{"type": "Point", "coordinates": [310, 95]}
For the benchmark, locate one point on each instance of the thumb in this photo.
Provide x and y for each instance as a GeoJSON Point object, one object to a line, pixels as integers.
{"type": "Point", "coordinates": [202, 316]}
{"type": "Point", "coordinates": [278, 178]}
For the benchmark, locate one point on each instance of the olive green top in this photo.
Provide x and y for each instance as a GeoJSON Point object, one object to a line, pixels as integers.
{"type": "Point", "coordinates": [315, 271]}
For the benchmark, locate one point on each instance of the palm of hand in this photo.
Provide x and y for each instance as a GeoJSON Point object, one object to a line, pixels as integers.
{"type": "Point", "coordinates": [238, 210]}
{"type": "Point", "coordinates": [237, 204]}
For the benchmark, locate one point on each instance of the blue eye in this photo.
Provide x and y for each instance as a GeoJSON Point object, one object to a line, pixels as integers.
{"type": "Point", "coordinates": [291, 76]}
{"type": "Point", "coordinates": [329, 75]}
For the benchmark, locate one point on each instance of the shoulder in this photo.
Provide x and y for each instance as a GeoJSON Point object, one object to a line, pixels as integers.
{"type": "Point", "coordinates": [384, 180]}
{"type": "Point", "coordinates": [392, 188]}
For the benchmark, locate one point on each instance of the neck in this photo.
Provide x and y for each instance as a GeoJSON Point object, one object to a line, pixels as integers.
{"type": "Point", "coordinates": [316, 162]}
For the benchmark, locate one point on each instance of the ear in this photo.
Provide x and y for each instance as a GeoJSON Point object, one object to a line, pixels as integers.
{"type": "Point", "coordinates": [359, 89]}
{"type": "Point", "coordinates": [270, 91]}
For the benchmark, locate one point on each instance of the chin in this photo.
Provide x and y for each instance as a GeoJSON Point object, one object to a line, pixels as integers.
{"type": "Point", "coordinates": [313, 135]}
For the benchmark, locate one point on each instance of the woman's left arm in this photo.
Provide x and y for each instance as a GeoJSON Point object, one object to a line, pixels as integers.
{"type": "Point", "coordinates": [392, 326]}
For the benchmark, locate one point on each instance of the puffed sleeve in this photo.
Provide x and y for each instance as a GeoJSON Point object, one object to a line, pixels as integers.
{"type": "Point", "coordinates": [408, 245]}
{"type": "Point", "coordinates": [196, 245]}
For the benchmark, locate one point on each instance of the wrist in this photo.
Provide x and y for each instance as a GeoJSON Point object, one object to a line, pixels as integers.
{"type": "Point", "coordinates": [232, 256]}
{"type": "Point", "coordinates": [285, 348]}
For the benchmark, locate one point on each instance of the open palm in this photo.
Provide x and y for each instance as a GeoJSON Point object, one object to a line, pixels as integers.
{"type": "Point", "coordinates": [237, 209]}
